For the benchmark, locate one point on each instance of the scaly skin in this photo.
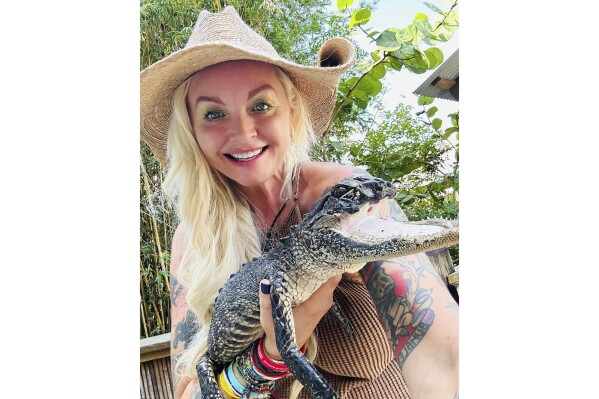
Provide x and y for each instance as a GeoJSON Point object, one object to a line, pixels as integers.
{"type": "Point", "coordinates": [316, 250]}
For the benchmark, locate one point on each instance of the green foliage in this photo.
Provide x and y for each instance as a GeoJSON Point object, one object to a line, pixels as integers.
{"type": "Point", "coordinates": [399, 147]}
{"type": "Point", "coordinates": [395, 49]}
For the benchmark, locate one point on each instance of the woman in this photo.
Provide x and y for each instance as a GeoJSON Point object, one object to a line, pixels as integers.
{"type": "Point", "coordinates": [233, 122]}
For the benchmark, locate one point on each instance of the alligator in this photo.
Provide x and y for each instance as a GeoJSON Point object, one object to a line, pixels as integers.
{"type": "Point", "coordinates": [343, 231]}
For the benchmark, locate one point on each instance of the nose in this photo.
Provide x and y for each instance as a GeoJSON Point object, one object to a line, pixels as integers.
{"type": "Point", "coordinates": [242, 127]}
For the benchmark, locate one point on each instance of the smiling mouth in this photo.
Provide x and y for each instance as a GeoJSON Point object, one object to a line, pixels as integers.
{"type": "Point", "coordinates": [246, 156]}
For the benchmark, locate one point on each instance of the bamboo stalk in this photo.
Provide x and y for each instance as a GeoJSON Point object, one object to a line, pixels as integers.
{"type": "Point", "coordinates": [142, 305]}
{"type": "Point", "coordinates": [158, 318]}
{"type": "Point", "coordinates": [154, 224]}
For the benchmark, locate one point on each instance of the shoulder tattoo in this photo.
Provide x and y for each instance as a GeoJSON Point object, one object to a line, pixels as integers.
{"type": "Point", "coordinates": [402, 304]}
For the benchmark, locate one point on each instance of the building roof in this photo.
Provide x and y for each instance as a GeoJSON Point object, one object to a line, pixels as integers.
{"type": "Point", "coordinates": [436, 85]}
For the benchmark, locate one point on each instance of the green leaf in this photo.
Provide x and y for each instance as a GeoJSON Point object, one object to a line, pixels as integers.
{"type": "Point", "coordinates": [362, 103]}
{"type": "Point", "coordinates": [420, 60]}
{"type": "Point", "coordinates": [358, 94]}
{"type": "Point", "coordinates": [435, 57]}
{"type": "Point", "coordinates": [429, 5]}
{"type": "Point", "coordinates": [343, 4]}
{"type": "Point", "coordinates": [405, 51]}
{"type": "Point", "coordinates": [443, 36]}
{"type": "Point", "coordinates": [387, 40]}
{"type": "Point", "coordinates": [344, 86]}
{"type": "Point", "coordinates": [407, 198]}
{"type": "Point", "coordinates": [395, 63]}
{"type": "Point", "coordinates": [337, 146]}
{"type": "Point", "coordinates": [437, 123]}
{"type": "Point", "coordinates": [454, 119]}
{"type": "Point", "coordinates": [449, 131]}
{"type": "Point", "coordinates": [424, 100]}
{"type": "Point", "coordinates": [359, 17]}
{"type": "Point", "coordinates": [423, 26]}
{"type": "Point", "coordinates": [407, 35]}
{"type": "Point", "coordinates": [375, 55]}
{"type": "Point", "coordinates": [370, 85]}
{"type": "Point", "coordinates": [373, 33]}
{"type": "Point", "coordinates": [416, 68]}
{"type": "Point", "coordinates": [420, 17]}
{"type": "Point", "coordinates": [429, 41]}
{"type": "Point", "coordinates": [378, 71]}
{"type": "Point", "coordinates": [432, 111]}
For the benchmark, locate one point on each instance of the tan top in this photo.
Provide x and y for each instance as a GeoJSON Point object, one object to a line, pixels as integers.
{"type": "Point", "coordinates": [357, 368]}
{"type": "Point", "coordinates": [361, 367]}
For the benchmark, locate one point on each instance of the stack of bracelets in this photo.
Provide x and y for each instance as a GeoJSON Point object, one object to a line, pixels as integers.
{"type": "Point", "coordinates": [258, 371]}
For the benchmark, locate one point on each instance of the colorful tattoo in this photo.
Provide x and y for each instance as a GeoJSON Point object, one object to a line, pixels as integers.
{"type": "Point", "coordinates": [402, 303]}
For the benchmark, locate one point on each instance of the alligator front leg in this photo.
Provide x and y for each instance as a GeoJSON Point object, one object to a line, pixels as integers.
{"type": "Point", "coordinates": [207, 378]}
{"type": "Point", "coordinates": [299, 366]}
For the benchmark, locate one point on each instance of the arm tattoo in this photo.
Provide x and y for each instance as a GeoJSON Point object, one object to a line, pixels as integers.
{"type": "Point", "coordinates": [402, 304]}
{"type": "Point", "coordinates": [187, 328]}
{"type": "Point", "coordinates": [176, 290]}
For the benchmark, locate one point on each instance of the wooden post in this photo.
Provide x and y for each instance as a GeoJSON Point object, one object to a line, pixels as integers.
{"type": "Point", "coordinates": [155, 367]}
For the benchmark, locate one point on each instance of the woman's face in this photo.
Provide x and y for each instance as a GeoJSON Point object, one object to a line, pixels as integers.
{"type": "Point", "coordinates": [241, 119]}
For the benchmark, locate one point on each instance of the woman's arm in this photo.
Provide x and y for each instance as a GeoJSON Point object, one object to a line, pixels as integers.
{"type": "Point", "coordinates": [420, 318]}
{"type": "Point", "coordinates": [182, 320]}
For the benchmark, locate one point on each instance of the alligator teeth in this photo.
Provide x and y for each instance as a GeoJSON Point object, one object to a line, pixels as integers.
{"type": "Point", "coordinates": [246, 156]}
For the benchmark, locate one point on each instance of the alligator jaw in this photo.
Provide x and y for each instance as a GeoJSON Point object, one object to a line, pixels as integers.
{"type": "Point", "coordinates": [366, 235]}
{"type": "Point", "coordinates": [368, 225]}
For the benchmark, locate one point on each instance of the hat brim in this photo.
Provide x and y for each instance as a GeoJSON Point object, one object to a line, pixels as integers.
{"type": "Point", "coordinates": [158, 82]}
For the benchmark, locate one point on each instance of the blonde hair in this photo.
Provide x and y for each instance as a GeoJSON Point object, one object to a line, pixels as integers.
{"type": "Point", "coordinates": [221, 233]}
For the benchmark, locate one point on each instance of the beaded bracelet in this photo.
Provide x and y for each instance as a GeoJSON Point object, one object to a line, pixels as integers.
{"type": "Point", "coordinates": [247, 367]}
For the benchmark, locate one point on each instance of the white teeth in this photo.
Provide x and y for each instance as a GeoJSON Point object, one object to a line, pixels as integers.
{"type": "Point", "coordinates": [244, 156]}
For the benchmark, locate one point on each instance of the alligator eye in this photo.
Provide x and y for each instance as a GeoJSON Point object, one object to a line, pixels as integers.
{"type": "Point", "coordinates": [339, 191]}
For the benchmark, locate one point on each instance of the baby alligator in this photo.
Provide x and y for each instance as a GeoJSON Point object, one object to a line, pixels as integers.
{"type": "Point", "coordinates": [343, 231]}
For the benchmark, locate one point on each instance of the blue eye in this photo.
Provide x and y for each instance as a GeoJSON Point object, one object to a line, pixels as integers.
{"type": "Point", "coordinates": [213, 115]}
{"type": "Point", "coordinates": [261, 106]}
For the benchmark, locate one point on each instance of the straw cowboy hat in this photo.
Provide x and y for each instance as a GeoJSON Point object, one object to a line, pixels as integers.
{"type": "Point", "coordinates": [224, 37]}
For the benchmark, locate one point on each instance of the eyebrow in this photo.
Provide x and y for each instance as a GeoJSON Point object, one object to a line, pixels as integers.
{"type": "Point", "coordinates": [210, 99]}
{"type": "Point", "coordinates": [252, 93]}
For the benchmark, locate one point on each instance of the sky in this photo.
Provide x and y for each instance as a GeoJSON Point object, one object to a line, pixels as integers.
{"type": "Point", "coordinates": [398, 14]}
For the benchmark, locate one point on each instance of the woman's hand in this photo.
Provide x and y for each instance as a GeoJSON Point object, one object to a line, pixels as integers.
{"type": "Point", "coordinates": [306, 316]}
